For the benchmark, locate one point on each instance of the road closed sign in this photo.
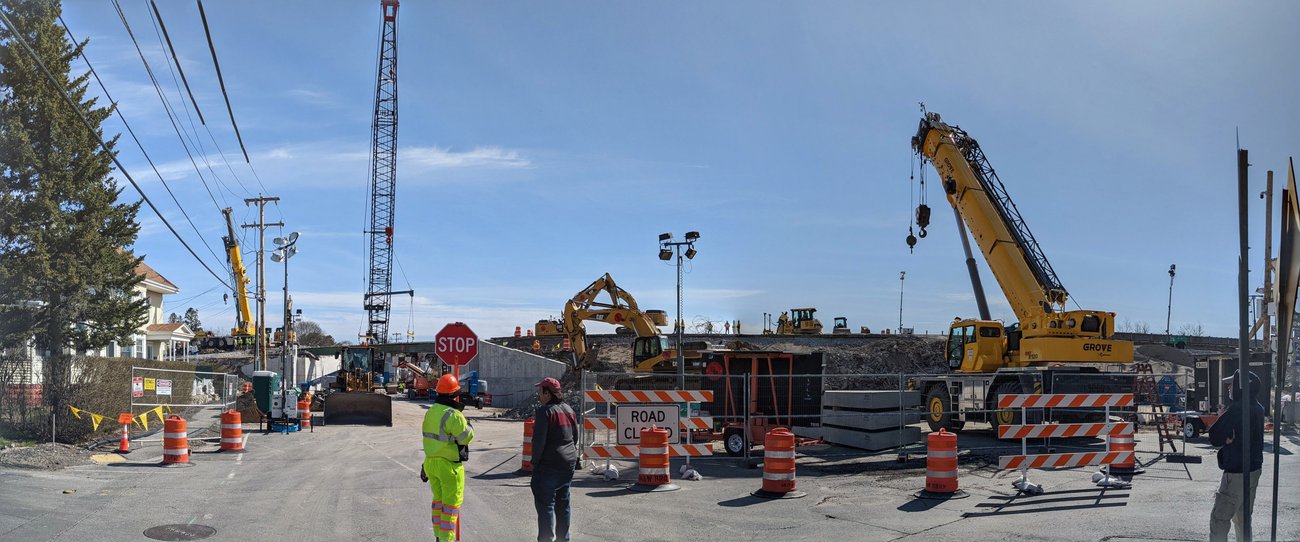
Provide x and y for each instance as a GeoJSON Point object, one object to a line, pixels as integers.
{"type": "Point", "coordinates": [633, 418]}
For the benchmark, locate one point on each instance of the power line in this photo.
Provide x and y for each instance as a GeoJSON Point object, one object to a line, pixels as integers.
{"type": "Point", "coordinates": [166, 105]}
{"type": "Point", "coordinates": [158, 16]}
{"type": "Point", "coordinates": [122, 118]}
{"type": "Point", "coordinates": [197, 140]}
{"type": "Point", "coordinates": [222, 82]}
{"type": "Point", "coordinates": [18, 37]}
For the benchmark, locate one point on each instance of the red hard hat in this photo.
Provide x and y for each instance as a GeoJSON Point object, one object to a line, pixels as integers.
{"type": "Point", "coordinates": [447, 385]}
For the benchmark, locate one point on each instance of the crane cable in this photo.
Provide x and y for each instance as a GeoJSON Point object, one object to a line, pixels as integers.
{"type": "Point", "coordinates": [18, 37]}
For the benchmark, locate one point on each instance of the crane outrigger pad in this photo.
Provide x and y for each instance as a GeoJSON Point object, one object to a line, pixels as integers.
{"type": "Point", "coordinates": [358, 408]}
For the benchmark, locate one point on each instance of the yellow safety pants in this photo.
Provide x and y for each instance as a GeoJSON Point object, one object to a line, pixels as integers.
{"type": "Point", "coordinates": [447, 482]}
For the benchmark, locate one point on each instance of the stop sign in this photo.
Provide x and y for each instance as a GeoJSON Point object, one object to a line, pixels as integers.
{"type": "Point", "coordinates": [456, 344]}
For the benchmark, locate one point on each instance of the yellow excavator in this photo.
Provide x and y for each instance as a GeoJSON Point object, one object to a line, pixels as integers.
{"type": "Point", "coordinates": [1050, 349]}
{"type": "Point", "coordinates": [651, 351]}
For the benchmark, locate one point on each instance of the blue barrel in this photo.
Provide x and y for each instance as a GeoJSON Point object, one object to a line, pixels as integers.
{"type": "Point", "coordinates": [1169, 392]}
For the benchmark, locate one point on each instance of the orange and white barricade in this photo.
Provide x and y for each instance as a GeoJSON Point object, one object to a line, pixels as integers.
{"type": "Point", "coordinates": [232, 431]}
{"type": "Point", "coordinates": [176, 442]}
{"type": "Point", "coordinates": [628, 451]}
{"type": "Point", "coordinates": [1107, 457]}
{"type": "Point", "coordinates": [778, 466]}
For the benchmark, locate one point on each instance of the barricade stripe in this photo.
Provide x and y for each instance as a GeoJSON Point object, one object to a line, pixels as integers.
{"type": "Point", "coordinates": [1050, 400]}
{"type": "Point", "coordinates": [633, 452]}
{"type": "Point", "coordinates": [648, 396]}
{"type": "Point", "coordinates": [1117, 430]}
{"type": "Point", "coordinates": [1062, 460]}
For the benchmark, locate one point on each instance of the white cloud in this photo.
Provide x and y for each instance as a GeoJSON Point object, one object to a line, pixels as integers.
{"type": "Point", "coordinates": [478, 157]}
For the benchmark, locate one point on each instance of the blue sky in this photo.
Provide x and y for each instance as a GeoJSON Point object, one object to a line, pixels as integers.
{"type": "Point", "coordinates": [543, 144]}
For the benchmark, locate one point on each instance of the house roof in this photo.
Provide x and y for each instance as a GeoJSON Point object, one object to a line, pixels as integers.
{"type": "Point", "coordinates": [149, 274]}
{"type": "Point", "coordinates": [166, 328]}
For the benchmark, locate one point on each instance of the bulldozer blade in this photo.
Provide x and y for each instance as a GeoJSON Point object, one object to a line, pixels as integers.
{"type": "Point", "coordinates": [358, 408]}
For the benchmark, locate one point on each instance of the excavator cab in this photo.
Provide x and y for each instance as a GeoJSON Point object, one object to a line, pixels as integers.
{"type": "Point", "coordinates": [650, 348]}
{"type": "Point", "coordinates": [353, 400]}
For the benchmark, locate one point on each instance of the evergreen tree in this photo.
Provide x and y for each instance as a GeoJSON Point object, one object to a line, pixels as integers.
{"type": "Point", "coordinates": [63, 235]}
{"type": "Point", "coordinates": [192, 320]}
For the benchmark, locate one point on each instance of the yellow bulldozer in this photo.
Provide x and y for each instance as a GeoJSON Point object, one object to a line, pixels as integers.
{"type": "Point", "coordinates": [799, 322]}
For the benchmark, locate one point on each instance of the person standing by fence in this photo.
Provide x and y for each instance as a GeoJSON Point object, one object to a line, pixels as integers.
{"type": "Point", "coordinates": [555, 456]}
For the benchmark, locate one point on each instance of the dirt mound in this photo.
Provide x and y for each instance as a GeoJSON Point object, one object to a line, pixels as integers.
{"type": "Point", "coordinates": [44, 456]}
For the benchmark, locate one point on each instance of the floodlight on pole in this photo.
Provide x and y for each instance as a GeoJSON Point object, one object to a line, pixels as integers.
{"type": "Point", "coordinates": [667, 248]}
{"type": "Point", "coordinates": [288, 248]}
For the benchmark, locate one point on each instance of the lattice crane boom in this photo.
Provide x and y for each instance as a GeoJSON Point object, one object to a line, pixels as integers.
{"type": "Point", "coordinates": [383, 181]}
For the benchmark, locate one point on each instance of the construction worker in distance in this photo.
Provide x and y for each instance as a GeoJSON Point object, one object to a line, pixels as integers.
{"type": "Point", "coordinates": [447, 435]}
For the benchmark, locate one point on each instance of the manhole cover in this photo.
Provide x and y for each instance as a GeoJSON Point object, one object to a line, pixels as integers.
{"type": "Point", "coordinates": [179, 531]}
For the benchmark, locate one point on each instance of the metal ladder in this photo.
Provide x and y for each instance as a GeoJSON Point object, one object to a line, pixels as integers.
{"type": "Point", "coordinates": [1145, 388]}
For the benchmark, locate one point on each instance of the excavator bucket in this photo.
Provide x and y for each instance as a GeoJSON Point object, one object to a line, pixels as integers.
{"type": "Point", "coordinates": [358, 408]}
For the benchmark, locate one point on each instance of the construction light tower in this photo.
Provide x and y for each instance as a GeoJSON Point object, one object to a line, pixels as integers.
{"type": "Point", "coordinates": [383, 180]}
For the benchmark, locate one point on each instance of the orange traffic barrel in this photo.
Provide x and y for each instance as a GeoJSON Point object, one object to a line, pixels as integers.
{"type": "Point", "coordinates": [124, 444]}
{"type": "Point", "coordinates": [232, 431]}
{"type": "Point", "coordinates": [1127, 466]}
{"type": "Point", "coordinates": [652, 462]}
{"type": "Point", "coordinates": [176, 442]}
{"type": "Point", "coordinates": [527, 465]}
{"type": "Point", "coordinates": [304, 414]}
{"type": "Point", "coordinates": [778, 466]}
{"type": "Point", "coordinates": [941, 467]}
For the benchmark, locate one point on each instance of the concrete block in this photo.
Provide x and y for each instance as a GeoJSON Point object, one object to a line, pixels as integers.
{"type": "Point", "coordinates": [874, 441]}
{"type": "Point", "coordinates": [869, 421]}
{"type": "Point", "coordinates": [871, 399]}
{"type": "Point", "coordinates": [807, 432]}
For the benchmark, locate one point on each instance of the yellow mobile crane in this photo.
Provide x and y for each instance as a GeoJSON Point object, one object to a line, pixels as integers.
{"type": "Point", "coordinates": [243, 333]}
{"type": "Point", "coordinates": [1049, 349]}
{"type": "Point", "coordinates": [651, 351]}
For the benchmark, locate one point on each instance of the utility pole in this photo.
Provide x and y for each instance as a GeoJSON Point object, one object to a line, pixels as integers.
{"type": "Point", "coordinates": [1169, 309]}
{"type": "Point", "coordinates": [901, 275]}
{"type": "Point", "coordinates": [1268, 263]}
{"type": "Point", "coordinates": [261, 225]}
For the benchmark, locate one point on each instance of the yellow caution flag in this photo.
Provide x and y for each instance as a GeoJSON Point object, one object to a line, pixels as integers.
{"type": "Point", "coordinates": [94, 421]}
{"type": "Point", "coordinates": [76, 412]}
{"type": "Point", "coordinates": [143, 420]}
{"type": "Point", "coordinates": [159, 412]}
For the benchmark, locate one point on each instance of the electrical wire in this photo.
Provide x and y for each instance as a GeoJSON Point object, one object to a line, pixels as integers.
{"type": "Point", "coordinates": [18, 37]}
{"type": "Point", "coordinates": [195, 139]}
{"type": "Point", "coordinates": [138, 144]}
{"type": "Point", "coordinates": [222, 81]}
{"type": "Point", "coordinates": [166, 105]}
{"type": "Point", "coordinates": [158, 17]}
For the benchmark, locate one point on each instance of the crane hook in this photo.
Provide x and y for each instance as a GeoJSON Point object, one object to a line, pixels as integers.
{"type": "Point", "coordinates": [911, 239]}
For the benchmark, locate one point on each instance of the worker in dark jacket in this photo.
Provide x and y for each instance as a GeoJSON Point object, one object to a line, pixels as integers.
{"type": "Point", "coordinates": [555, 455]}
{"type": "Point", "coordinates": [1226, 433]}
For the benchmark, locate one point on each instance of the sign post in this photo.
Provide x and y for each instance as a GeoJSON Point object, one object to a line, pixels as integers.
{"type": "Point", "coordinates": [456, 345]}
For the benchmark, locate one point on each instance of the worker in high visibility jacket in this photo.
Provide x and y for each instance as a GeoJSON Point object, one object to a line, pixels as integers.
{"type": "Point", "coordinates": [447, 435]}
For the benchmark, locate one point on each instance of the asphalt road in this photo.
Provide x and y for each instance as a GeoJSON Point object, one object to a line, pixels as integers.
{"type": "Point", "coordinates": [360, 483]}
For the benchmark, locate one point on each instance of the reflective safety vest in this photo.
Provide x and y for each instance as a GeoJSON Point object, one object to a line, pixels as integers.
{"type": "Point", "coordinates": [444, 428]}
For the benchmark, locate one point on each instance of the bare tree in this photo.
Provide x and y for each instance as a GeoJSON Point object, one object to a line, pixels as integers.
{"type": "Point", "coordinates": [1192, 330]}
{"type": "Point", "coordinates": [1142, 327]}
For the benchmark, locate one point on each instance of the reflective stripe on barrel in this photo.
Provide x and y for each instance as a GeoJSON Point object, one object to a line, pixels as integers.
{"type": "Point", "coordinates": [527, 465]}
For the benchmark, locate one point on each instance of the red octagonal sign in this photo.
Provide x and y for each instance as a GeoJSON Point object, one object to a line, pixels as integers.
{"type": "Point", "coordinates": [456, 344]}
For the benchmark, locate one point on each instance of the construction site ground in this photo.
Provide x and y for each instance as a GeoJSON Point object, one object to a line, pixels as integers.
{"type": "Point", "coordinates": [361, 483]}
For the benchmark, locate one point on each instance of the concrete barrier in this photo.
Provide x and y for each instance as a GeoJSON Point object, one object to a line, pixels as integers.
{"type": "Point", "coordinates": [510, 373]}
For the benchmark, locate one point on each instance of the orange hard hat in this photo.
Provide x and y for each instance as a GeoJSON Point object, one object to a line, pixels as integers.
{"type": "Point", "coordinates": [447, 385]}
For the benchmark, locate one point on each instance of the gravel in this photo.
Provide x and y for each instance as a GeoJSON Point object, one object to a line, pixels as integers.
{"type": "Point", "coordinates": [45, 456]}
